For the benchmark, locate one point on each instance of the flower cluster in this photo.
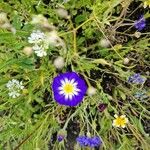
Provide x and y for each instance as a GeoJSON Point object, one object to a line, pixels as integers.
{"type": "Point", "coordinates": [140, 23]}
{"type": "Point", "coordinates": [136, 78]}
{"type": "Point", "coordinates": [37, 38]}
{"type": "Point", "coordinates": [120, 121]}
{"type": "Point", "coordinates": [14, 87]}
{"type": "Point", "coordinates": [89, 141]}
{"type": "Point", "coordinates": [69, 89]}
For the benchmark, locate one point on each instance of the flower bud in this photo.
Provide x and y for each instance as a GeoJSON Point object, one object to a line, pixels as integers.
{"type": "Point", "coordinates": [28, 51]}
{"type": "Point", "coordinates": [126, 61]}
{"type": "Point", "coordinates": [61, 135]}
{"type": "Point", "coordinates": [137, 34]}
{"type": "Point", "coordinates": [91, 91]}
{"type": "Point", "coordinates": [59, 62]}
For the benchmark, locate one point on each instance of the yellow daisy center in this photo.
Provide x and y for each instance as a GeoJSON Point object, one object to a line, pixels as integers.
{"type": "Point", "coordinates": [120, 121]}
{"type": "Point", "coordinates": [68, 88]}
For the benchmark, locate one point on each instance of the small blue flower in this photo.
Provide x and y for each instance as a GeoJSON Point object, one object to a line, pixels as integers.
{"type": "Point", "coordinates": [94, 142]}
{"type": "Point", "coordinates": [140, 24]}
{"type": "Point", "coordinates": [83, 140]}
{"type": "Point", "coordinates": [69, 88]}
{"type": "Point", "coordinates": [60, 138]}
{"type": "Point", "coordinates": [136, 78]}
{"type": "Point", "coordinates": [89, 141]}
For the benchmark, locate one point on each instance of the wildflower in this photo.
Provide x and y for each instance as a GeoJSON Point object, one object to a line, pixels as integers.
{"type": "Point", "coordinates": [136, 78]}
{"type": "Point", "coordinates": [14, 87]}
{"type": "Point", "coordinates": [120, 121]}
{"type": "Point", "coordinates": [60, 138]}
{"type": "Point", "coordinates": [69, 89]}
{"type": "Point", "coordinates": [102, 107]}
{"type": "Point", "coordinates": [140, 24]}
{"type": "Point", "coordinates": [91, 91]}
{"type": "Point", "coordinates": [83, 140]}
{"type": "Point", "coordinates": [147, 3]}
{"type": "Point", "coordinates": [89, 141]}
{"type": "Point", "coordinates": [36, 37]}
{"type": "Point", "coordinates": [39, 50]}
{"type": "Point", "coordinates": [59, 62]}
{"type": "Point", "coordinates": [61, 135]}
{"type": "Point", "coordinates": [94, 141]}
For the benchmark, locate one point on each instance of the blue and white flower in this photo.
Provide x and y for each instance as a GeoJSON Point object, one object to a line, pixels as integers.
{"type": "Point", "coordinates": [69, 89]}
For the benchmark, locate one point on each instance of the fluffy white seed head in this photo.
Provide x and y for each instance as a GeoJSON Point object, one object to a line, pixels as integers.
{"type": "Point", "coordinates": [59, 62]}
{"type": "Point", "coordinates": [42, 22]}
{"type": "Point", "coordinates": [104, 43]}
{"type": "Point", "coordinates": [3, 18]}
{"type": "Point", "coordinates": [91, 91]}
{"type": "Point", "coordinates": [62, 13]}
{"type": "Point", "coordinates": [53, 39]}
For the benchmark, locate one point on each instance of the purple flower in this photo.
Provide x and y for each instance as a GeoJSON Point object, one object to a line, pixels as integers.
{"type": "Point", "coordinates": [60, 138]}
{"type": "Point", "coordinates": [90, 142]}
{"type": "Point", "coordinates": [136, 78]}
{"type": "Point", "coordinates": [83, 140]}
{"type": "Point", "coordinates": [140, 24]}
{"type": "Point", "coordinates": [102, 107]}
{"type": "Point", "coordinates": [69, 89]}
{"type": "Point", "coordinates": [94, 142]}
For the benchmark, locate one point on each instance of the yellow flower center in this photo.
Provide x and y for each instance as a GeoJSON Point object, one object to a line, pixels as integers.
{"type": "Point", "coordinates": [68, 88]}
{"type": "Point", "coordinates": [120, 121]}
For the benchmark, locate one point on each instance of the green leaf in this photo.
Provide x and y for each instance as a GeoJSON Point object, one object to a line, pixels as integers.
{"type": "Point", "coordinates": [80, 18]}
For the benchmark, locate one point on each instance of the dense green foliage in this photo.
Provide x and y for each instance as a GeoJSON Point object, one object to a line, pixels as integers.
{"type": "Point", "coordinates": [29, 121]}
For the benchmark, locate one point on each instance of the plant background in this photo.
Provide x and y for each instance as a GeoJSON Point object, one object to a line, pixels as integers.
{"type": "Point", "coordinates": [31, 121]}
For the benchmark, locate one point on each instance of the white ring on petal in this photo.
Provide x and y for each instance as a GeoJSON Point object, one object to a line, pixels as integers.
{"type": "Point", "coordinates": [71, 82]}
